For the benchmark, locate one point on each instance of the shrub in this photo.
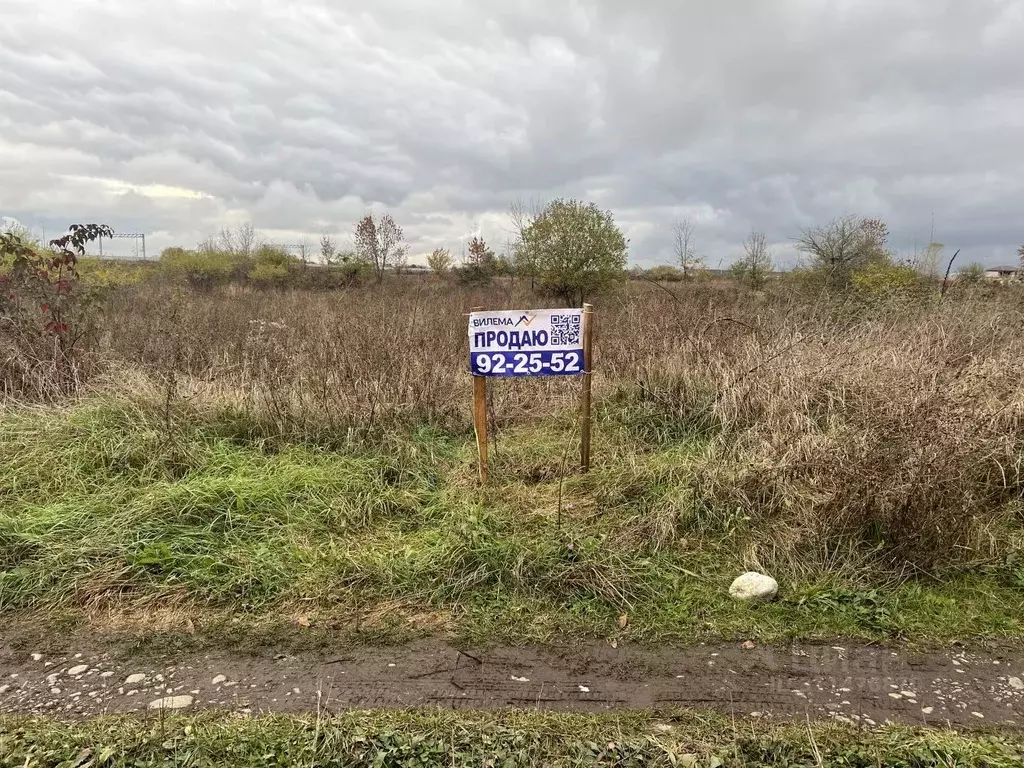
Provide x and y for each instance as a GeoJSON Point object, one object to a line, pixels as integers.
{"type": "Point", "coordinates": [971, 274]}
{"type": "Point", "coordinates": [883, 281]}
{"type": "Point", "coordinates": [46, 313]}
{"type": "Point", "coordinates": [663, 273]}
{"type": "Point", "coordinates": [475, 275]}
{"type": "Point", "coordinates": [201, 270]}
{"type": "Point", "coordinates": [271, 266]}
{"type": "Point", "coordinates": [105, 275]}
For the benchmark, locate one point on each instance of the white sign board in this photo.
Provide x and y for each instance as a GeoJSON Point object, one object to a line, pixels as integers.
{"type": "Point", "coordinates": [533, 342]}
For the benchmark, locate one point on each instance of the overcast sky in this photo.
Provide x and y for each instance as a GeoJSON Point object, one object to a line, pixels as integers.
{"type": "Point", "coordinates": [180, 117]}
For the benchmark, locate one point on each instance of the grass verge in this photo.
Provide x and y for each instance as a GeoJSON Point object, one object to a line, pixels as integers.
{"type": "Point", "coordinates": [109, 512]}
{"type": "Point", "coordinates": [490, 739]}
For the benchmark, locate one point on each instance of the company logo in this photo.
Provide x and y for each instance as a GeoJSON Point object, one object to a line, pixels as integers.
{"type": "Point", "coordinates": [499, 322]}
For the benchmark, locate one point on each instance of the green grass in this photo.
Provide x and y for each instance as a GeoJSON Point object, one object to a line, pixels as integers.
{"type": "Point", "coordinates": [102, 505]}
{"type": "Point", "coordinates": [481, 739]}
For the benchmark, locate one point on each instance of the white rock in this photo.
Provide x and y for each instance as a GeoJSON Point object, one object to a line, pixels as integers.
{"type": "Point", "coordinates": [5, 687]}
{"type": "Point", "coordinates": [55, 691]}
{"type": "Point", "coordinates": [171, 702]}
{"type": "Point", "coordinates": [927, 710]}
{"type": "Point", "coordinates": [584, 689]}
{"type": "Point", "coordinates": [1016, 683]}
{"type": "Point", "coordinates": [521, 679]}
{"type": "Point", "coordinates": [754, 586]}
{"type": "Point", "coordinates": [158, 678]}
{"type": "Point", "coordinates": [108, 673]}
{"type": "Point", "coordinates": [78, 669]}
{"type": "Point", "coordinates": [138, 677]}
{"type": "Point", "coordinates": [37, 657]}
{"type": "Point", "coordinates": [218, 679]}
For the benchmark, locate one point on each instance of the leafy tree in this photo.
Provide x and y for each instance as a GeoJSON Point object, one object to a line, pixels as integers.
{"type": "Point", "coordinates": [381, 242]}
{"type": "Point", "coordinates": [576, 248]}
{"type": "Point", "coordinates": [503, 265]}
{"type": "Point", "coordinates": [843, 245]}
{"type": "Point", "coordinates": [440, 261]}
{"type": "Point", "coordinates": [756, 264]}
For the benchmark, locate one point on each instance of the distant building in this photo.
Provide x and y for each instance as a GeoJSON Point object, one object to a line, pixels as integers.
{"type": "Point", "coordinates": [1002, 273]}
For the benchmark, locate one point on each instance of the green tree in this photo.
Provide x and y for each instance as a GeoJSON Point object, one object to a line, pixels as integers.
{"type": "Point", "coordinates": [577, 250]}
{"type": "Point", "coordinates": [480, 254]}
{"type": "Point", "coordinates": [481, 264]}
{"type": "Point", "coordinates": [440, 261]}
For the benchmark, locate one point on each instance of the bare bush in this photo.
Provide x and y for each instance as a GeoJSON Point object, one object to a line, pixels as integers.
{"type": "Point", "coordinates": [843, 245]}
{"type": "Point", "coordinates": [381, 242]}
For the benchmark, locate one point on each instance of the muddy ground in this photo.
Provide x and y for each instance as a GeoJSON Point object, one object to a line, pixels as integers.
{"type": "Point", "coordinates": [849, 683]}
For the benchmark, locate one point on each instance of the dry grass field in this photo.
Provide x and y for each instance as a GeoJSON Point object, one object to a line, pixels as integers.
{"type": "Point", "coordinates": [271, 456]}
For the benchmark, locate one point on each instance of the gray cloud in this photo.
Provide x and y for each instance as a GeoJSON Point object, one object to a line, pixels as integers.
{"type": "Point", "coordinates": [180, 118]}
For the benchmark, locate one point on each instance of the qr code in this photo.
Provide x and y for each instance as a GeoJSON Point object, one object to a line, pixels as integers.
{"type": "Point", "coordinates": [565, 330]}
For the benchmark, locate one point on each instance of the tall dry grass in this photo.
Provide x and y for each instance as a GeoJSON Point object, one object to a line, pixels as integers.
{"type": "Point", "coordinates": [895, 428]}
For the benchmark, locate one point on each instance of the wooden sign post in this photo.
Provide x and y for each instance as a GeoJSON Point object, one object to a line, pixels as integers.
{"type": "Point", "coordinates": [480, 417]}
{"type": "Point", "coordinates": [588, 336]}
{"type": "Point", "coordinates": [537, 342]}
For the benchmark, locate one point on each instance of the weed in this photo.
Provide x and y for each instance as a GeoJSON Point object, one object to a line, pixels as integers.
{"type": "Point", "coordinates": [415, 738]}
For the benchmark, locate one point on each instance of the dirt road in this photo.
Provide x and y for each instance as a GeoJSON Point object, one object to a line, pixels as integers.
{"type": "Point", "coordinates": [848, 683]}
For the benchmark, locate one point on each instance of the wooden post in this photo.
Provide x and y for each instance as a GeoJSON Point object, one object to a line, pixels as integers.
{"type": "Point", "coordinates": [480, 418]}
{"type": "Point", "coordinates": [588, 335]}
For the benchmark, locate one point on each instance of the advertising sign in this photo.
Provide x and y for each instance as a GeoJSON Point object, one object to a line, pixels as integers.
{"type": "Point", "coordinates": [534, 342]}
